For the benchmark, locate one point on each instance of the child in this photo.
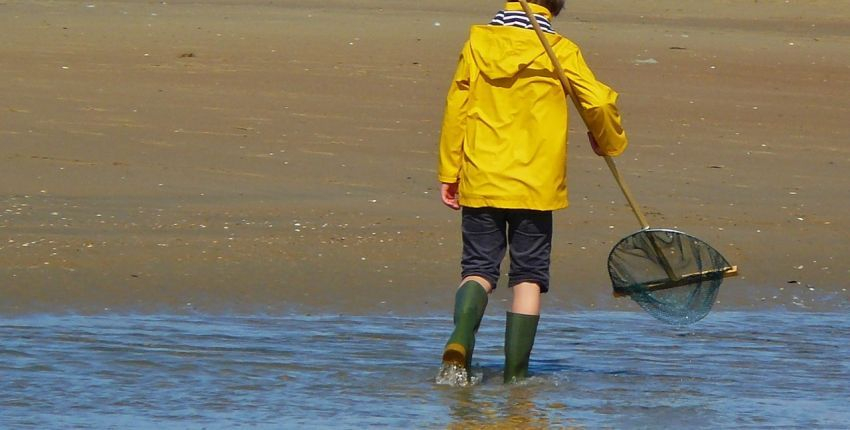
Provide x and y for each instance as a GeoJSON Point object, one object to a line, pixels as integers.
{"type": "Point", "coordinates": [503, 153]}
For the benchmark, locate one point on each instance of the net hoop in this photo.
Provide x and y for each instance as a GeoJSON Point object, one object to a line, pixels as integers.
{"type": "Point", "coordinates": [672, 275]}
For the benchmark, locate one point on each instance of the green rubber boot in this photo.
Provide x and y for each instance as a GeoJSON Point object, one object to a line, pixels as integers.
{"type": "Point", "coordinates": [470, 302]}
{"type": "Point", "coordinates": [519, 339]}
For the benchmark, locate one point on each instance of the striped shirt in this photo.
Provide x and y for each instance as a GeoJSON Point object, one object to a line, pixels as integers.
{"type": "Point", "coordinates": [514, 18]}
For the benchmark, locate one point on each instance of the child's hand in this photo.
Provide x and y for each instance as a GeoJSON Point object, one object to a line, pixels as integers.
{"type": "Point", "coordinates": [594, 145]}
{"type": "Point", "coordinates": [448, 192]}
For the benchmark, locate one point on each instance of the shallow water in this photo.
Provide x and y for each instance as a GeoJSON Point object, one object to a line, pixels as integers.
{"type": "Point", "coordinates": [591, 369]}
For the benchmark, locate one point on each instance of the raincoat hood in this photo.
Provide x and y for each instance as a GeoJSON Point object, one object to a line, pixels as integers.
{"type": "Point", "coordinates": [501, 52]}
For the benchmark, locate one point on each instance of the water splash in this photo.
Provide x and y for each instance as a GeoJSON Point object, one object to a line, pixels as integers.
{"type": "Point", "coordinates": [453, 374]}
{"type": "Point", "coordinates": [456, 375]}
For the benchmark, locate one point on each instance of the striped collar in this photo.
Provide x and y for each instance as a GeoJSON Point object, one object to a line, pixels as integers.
{"type": "Point", "coordinates": [514, 18]}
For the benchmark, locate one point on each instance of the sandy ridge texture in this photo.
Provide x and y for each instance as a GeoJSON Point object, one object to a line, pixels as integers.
{"type": "Point", "coordinates": [277, 155]}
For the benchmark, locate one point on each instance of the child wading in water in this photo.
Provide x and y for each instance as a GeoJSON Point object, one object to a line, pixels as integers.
{"type": "Point", "coordinates": [503, 154]}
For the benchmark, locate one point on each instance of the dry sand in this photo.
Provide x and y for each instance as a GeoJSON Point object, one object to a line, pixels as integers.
{"type": "Point", "coordinates": [248, 155]}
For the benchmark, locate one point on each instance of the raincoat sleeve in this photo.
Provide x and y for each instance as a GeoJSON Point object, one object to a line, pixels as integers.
{"type": "Point", "coordinates": [596, 103]}
{"type": "Point", "coordinates": [454, 124]}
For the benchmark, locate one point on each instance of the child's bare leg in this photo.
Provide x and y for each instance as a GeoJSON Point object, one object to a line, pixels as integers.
{"type": "Point", "coordinates": [526, 299]}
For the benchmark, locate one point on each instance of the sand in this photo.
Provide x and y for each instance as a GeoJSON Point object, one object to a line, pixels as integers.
{"type": "Point", "coordinates": [278, 156]}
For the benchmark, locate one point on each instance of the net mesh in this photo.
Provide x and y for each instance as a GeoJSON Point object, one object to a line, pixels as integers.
{"type": "Point", "coordinates": [671, 275]}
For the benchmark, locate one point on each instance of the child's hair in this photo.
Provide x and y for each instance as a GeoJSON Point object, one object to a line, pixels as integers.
{"type": "Point", "coordinates": [554, 6]}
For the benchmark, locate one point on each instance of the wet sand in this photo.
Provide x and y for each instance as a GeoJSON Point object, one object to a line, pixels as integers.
{"type": "Point", "coordinates": [224, 155]}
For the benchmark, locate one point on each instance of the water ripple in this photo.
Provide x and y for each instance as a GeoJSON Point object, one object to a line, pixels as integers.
{"type": "Point", "coordinates": [589, 369]}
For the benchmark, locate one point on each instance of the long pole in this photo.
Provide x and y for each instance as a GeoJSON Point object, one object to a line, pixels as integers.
{"type": "Point", "coordinates": [566, 84]}
{"type": "Point", "coordinates": [608, 160]}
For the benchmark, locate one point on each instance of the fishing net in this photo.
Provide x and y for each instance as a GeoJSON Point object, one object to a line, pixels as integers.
{"type": "Point", "coordinates": [673, 276]}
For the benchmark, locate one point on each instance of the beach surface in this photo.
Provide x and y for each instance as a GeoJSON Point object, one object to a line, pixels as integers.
{"type": "Point", "coordinates": [268, 156]}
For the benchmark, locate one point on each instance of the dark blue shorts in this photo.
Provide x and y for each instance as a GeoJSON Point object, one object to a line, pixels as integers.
{"type": "Point", "coordinates": [489, 232]}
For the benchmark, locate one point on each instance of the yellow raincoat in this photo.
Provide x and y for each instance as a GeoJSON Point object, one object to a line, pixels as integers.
{"type": "Point", "coordinates": [504, 134]}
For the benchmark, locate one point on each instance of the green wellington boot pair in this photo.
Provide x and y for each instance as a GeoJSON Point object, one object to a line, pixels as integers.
{"type": "Point", "coordinates": [520, 330]}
